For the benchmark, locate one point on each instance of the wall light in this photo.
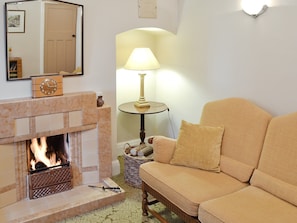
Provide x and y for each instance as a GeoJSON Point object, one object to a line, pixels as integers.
{"type": "Point", "coordinates": [254, 8]}
{"type": "Point", "coordinates": [142, 59]}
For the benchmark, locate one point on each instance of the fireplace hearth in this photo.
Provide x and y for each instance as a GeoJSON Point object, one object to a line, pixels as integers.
{"type": "Point", "coordinates": [54, 208]}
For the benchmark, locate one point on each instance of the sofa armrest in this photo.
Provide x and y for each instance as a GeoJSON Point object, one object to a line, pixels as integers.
{"type": "Point", "coordinates": [163, 148]}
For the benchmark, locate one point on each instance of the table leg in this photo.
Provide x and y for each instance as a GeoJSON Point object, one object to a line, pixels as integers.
{"type": "Point", "coordinates": [142, 130]}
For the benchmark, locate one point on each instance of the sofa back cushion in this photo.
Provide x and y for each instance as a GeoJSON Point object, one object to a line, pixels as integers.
{"type": "Point", "coordinates": [245, 127]}
{"type": "Point", "coordinates": [277, 171]}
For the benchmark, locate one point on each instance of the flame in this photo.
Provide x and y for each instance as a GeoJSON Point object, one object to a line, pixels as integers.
{"type": "Point", "coordinates": [39, 151]}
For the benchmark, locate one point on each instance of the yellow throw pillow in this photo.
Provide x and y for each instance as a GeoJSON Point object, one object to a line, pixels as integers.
{"type": "Point", "coordinates": [198, 146]}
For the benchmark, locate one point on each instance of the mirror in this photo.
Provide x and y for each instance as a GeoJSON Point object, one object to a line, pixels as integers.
{"type": "Point", "coordinates": [43, 37]}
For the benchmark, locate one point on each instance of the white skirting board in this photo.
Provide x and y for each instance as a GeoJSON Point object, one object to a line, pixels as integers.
{"type": "Point", "coordinates": [116, 169]}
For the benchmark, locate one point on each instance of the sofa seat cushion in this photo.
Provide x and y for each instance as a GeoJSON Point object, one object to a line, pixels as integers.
{"type": "Point", "coordinates": [187, 187]}
{"type": "Point", "coordinates": [250, 204]}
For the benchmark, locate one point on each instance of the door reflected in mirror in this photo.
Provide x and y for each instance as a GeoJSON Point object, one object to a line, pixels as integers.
{"type": "Point", "coordinates": [43, 37]}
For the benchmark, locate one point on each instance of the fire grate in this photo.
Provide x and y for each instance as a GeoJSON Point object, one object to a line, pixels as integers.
{"type": "Point", "coordinates": [50, 182]}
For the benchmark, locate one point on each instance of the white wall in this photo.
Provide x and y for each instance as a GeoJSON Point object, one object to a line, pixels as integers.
{"type": "Point", "coordinates": [103, 19]}
{"type": "Point", "coordinates": [218, 52]}
{"type": "Point", "coordinates": [221, 52]}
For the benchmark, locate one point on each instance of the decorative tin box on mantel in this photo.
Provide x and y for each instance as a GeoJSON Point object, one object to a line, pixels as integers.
{"type": "Point", "coordinates": [46, 86]}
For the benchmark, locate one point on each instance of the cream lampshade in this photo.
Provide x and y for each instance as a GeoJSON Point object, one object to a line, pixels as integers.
{"type": "Point", "coordinates": [142, 59]}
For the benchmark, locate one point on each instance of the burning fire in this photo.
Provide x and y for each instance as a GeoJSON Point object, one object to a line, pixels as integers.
{"type": "Point", "coordinates": [39, 151]}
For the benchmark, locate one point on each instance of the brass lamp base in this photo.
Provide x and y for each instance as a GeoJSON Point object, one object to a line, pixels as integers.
{"type": "Point", "coordinates": [141, 104]}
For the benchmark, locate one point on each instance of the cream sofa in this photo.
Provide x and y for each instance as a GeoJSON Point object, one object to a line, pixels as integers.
{"type": "Point", "coordinates": [257, 177]}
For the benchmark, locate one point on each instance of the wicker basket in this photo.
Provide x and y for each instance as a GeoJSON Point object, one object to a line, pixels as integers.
{"type": "Point", "coordinates": [131, 169]}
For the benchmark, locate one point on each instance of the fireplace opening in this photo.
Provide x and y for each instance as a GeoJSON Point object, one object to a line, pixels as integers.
{"type": "Point", "coordinates": [47, 152]}
{"type": "Point", "coordinates": [49, 169]}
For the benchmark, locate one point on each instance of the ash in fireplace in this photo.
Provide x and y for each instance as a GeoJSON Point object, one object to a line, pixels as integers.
{"type": "Point", "coordinates": [46, 152]}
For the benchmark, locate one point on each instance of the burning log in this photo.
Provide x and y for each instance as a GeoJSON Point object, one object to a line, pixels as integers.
{"type": "Point", "coordinates": [41, 159]}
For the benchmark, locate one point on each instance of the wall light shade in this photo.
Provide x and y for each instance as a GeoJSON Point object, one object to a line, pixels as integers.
{"type": "Point", "coordinates": [254, 7]}
{"type": "Point", "coordinates": [142, 59]}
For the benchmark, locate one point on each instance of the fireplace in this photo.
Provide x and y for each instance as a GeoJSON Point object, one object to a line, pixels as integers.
{"type": "Point", "coordinates": [49, 168]}
{"type": "Point", "coordinates": [88, 130]}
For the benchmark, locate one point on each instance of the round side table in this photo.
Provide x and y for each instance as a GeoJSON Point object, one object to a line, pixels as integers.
{"type": "Point", "coordinates": [155, 107]}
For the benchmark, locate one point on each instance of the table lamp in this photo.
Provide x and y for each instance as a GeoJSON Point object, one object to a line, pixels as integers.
{"type": "Point", "coordinates": [142, 59]}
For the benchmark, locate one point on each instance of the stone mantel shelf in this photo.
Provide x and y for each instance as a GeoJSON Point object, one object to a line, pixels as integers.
{"type": "Point", "coordinates": [26, 118]}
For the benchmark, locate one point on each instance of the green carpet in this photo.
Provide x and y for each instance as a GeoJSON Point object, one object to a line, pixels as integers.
{"type": "Point", "coordinates": [127, 211]}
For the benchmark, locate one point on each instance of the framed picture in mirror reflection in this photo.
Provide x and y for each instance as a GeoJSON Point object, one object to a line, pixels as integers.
{"type": "Point", "coordinates": [16, 21]}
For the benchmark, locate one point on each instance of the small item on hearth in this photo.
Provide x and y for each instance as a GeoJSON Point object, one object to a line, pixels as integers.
{"type": "Point", "coordinates": [114, 189]}
{"type": "Point", "coordinates": [148, 150]}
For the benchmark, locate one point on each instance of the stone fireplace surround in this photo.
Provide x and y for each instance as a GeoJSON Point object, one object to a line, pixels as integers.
{"type": "Point", "coordinates": [89, 128]}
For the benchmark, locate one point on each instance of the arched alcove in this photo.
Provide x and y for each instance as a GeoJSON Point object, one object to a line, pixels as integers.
{"type": "Point", "coordinates": [127, 81]}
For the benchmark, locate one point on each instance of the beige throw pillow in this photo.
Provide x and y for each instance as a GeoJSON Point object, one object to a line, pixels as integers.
{"type": "Point", "coordinates": [198, 146]}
